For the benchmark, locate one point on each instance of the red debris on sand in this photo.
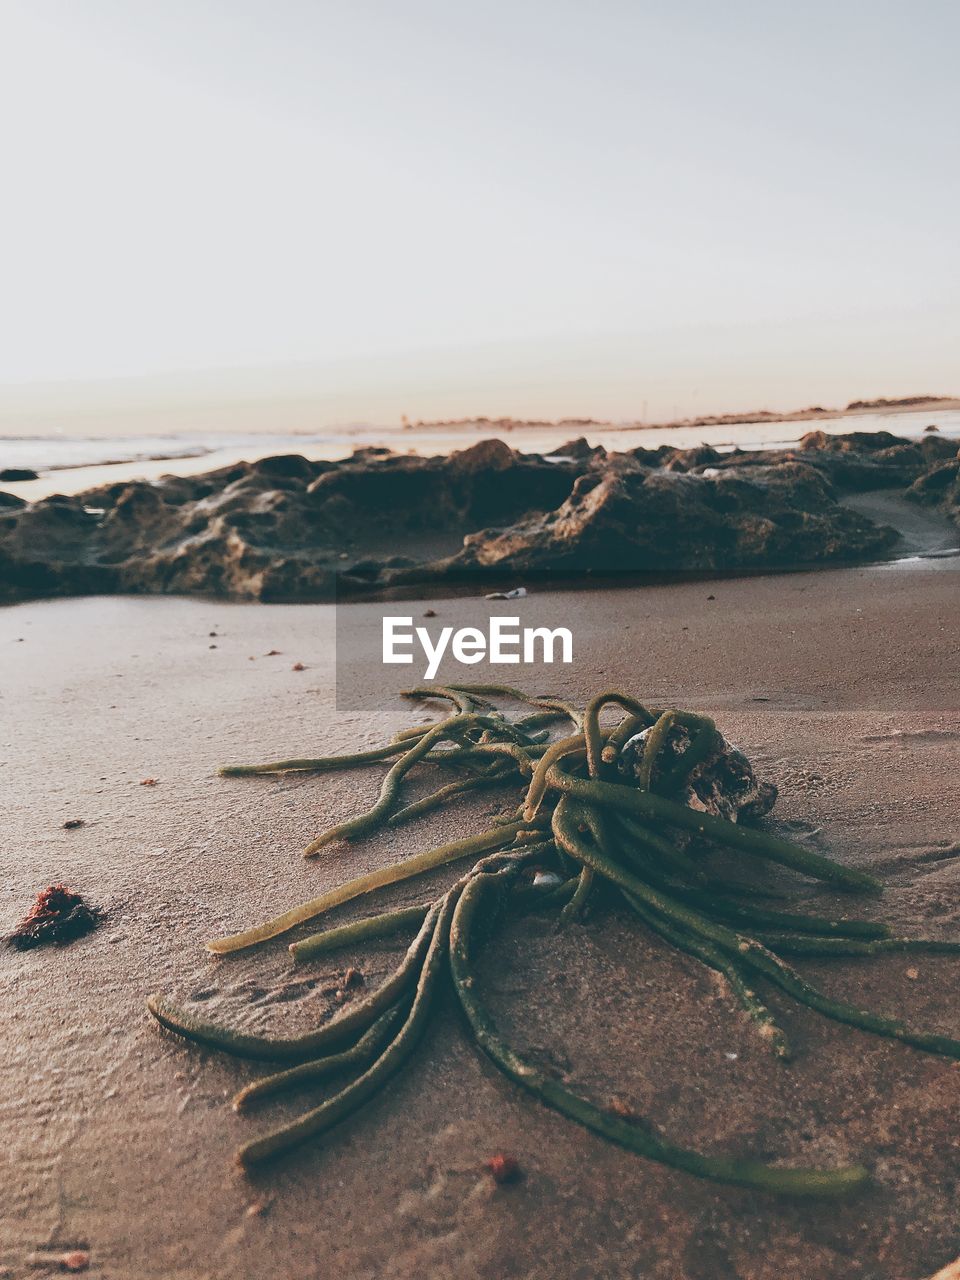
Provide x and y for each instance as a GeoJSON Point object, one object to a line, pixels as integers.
{"type": "Point", "coordinates": [69, 1260]}
{"type": "Point", "coordinates": [502, 1169]}
{"type": "Point", "coordinates": [148, 782]}
{"type": "Point", "coordinates": [59, 915]}
{"type": "Point", "coordinates": [298, 666]}
{"type": "Point", "coordinates": [272, 653]}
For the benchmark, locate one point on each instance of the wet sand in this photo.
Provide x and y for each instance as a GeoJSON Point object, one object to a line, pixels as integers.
{"type": "Point", "coordinates": [842, 686]}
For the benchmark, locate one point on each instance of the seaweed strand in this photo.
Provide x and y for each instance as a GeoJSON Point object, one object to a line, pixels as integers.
{"type": "Point", "coordinates": [592, 825]}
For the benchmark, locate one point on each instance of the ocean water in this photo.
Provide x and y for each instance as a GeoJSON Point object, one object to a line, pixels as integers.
{"type": "Point", "coordinates": [71, 464]}
{"type": "Point", "coordinates": [68, 453]}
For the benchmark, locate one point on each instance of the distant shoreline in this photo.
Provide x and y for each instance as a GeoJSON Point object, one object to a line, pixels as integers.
{"type": "Point", "coordinates": [906, 404]}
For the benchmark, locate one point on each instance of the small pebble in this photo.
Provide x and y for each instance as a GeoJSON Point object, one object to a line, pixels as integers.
{"type": "Point", "coordinates": [913, 974]}
{"type": "Point", "coordinates": [502, 1169]}
{"type": "Point", "coordinates": [298, 666]}
{"type": "Point", "coordinates": [148, 782]}
{"type": "Point", "coordinates": [72, 824]}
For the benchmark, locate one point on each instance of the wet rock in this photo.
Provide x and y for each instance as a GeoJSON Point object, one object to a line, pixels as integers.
{"type": "Point", "coordinates": [581, 450]}
{"type": "Point", "coordinates": [18, 473]}
{"type": "Point", "coordinates": [290, 466]}
{"type": "Point", "coordinates": [660, 520]}
{"type": "Point", "coordinates": [288, 528]}
{"type": "Point", "coordinates": [690, 459]}
{"type": "Point", "coordinates": [863, 460]}
{"type": "Point", "coordinates": [488, 483]}
{"type": "Point", "coordinates": [723, 783]}
{"type": "Point", "coordinates": [485, 455]}
{"type": "Point", "coordinates": [940, 486]}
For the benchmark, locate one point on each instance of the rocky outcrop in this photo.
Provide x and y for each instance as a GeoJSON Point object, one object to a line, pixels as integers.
{"type": "Point", "coordinates": [864, 460]}
{"type": "Point", "coordinates": [648, 520]}
{"type": "Point", "coordinates": [279, 528]}
{"type": "Point", "coordinates": [288, 528]}
{"type": "Point", "coordinates": [940, 486]}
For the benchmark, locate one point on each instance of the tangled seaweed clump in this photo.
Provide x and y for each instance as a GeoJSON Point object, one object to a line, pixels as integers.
{"type": "Point", "coordinates": [57, 916]}
{"type": "Point", "coordinates": [620, 812]}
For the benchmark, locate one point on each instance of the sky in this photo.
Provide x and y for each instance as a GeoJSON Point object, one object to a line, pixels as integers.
{"type": "Point", "coordinates": [307, 213]}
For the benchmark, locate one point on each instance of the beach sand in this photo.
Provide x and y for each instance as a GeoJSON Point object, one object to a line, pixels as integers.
{"type": "Point", "coordinates": [843, 688]}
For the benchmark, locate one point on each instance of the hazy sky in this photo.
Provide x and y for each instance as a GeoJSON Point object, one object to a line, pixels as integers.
{"type": "Point", "coordinates": [434, 207]}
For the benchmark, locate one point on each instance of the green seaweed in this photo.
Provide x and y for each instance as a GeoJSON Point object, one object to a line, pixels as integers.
{"type": "Point", "coordinates": [599, 835]}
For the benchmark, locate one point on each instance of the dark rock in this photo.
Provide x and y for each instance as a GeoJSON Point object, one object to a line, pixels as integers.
{"type": "Point", "coordinates": [289, 466]}
{"type": "Point", "coordinates": [486, 484]}
{"type": "Point", "coordinates": [652, 457]}
{"type": "Point", "coordinates": [367, 451]}
{"type": "Point", "coordinates": [864, 460]}
{"type": "Point", "coordinates": [668, 521]}
{"type": "Point", "coordinates": [485, 455]}
{"type": "Point", "coordinates": [723, 783]}
{"type": "Point", "coordinates": [18, 473]}
{"type": "Point", "coordinates": [287, 528]}
{"type": "Point", "coordinates": [851, 441]}
{"type": "Point", "coordinates": [940, 486]}
{"type": "Point", "coordinates": [937, 449]}
{"type": "Point", "coordinates": [580, 449]}
{"type": "Point", "coordinates": [690, 459]}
